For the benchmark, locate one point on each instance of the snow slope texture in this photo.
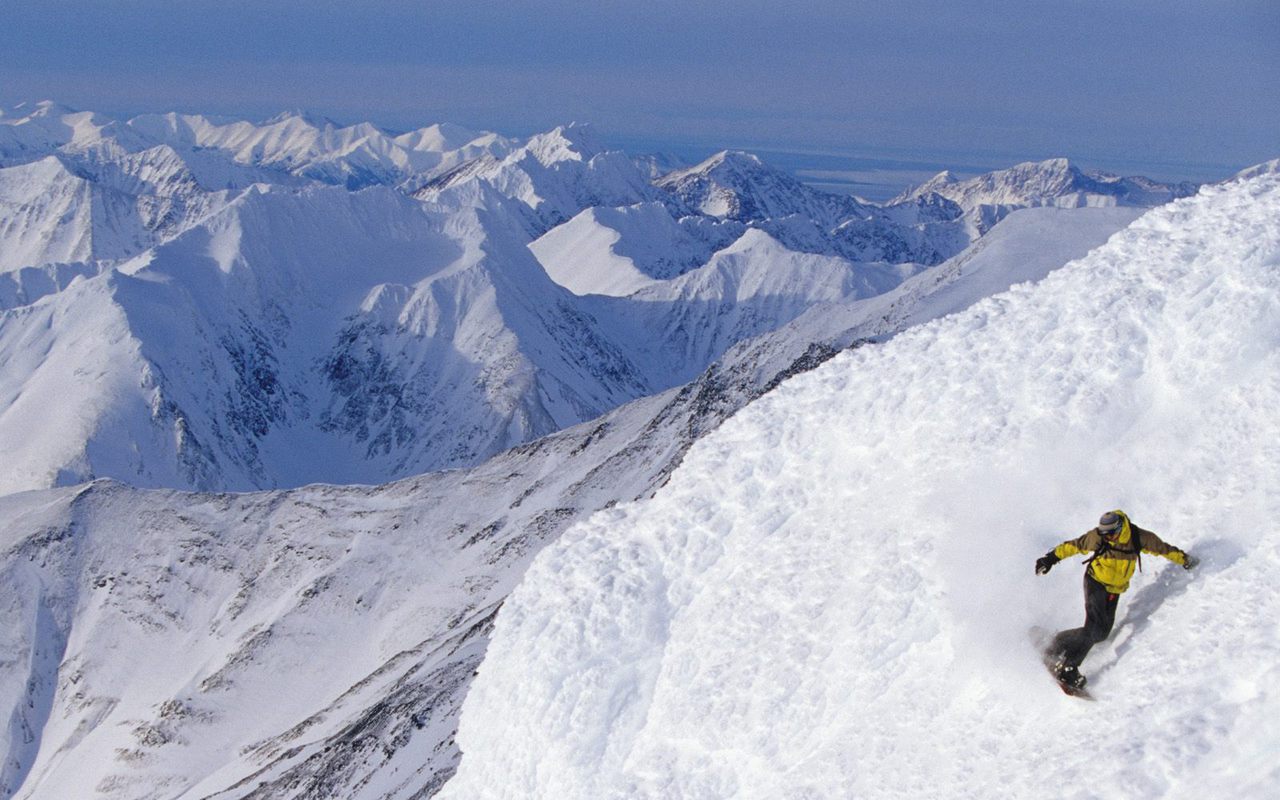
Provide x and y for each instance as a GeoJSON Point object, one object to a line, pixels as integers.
{"type": "Point", "coordinates": [831, 597]}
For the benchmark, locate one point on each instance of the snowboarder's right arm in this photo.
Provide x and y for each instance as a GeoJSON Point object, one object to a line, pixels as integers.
{"type": "Point", "coordinates": [1151, 543]}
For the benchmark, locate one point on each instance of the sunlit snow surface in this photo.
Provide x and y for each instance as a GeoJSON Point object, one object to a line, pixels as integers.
{"type": "Point", "coordinates": [831, 597]}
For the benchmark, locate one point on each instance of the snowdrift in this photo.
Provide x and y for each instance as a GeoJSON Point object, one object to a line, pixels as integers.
{"type": "Point", "coordinates": [832, 596]}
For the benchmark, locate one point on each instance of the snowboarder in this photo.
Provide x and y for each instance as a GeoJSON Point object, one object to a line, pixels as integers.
{"type": "Point", "coordinates": [1117, 545]}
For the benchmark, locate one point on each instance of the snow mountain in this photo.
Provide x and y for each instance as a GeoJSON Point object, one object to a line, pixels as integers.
{"type": "Point", "coordinates": [250, 352]}
{"type": "Point", "coordinates": [832, 595]}
{"type": "Point", "coordinates": [375, 602]}
{"type": "Point", "coordinates": [556, 175]}
{"type": "Point", "coordinates": [619, 251]}
{"type": "Point", "coordinates": [246, 306]}
{"type": "Point", "coordinates": [737, 473]}
{"type": "Point", "coordinates": [291, 147]}
{"type": "Point", "coordinates": [739, 186]}
{"type": "Point", "coordinates": [59, 212]}
{"type": "Point", "coordinates": [985, 199]}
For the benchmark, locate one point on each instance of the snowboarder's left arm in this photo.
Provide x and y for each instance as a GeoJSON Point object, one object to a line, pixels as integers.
{"type": "Point", "coordinates": [1156, 546]}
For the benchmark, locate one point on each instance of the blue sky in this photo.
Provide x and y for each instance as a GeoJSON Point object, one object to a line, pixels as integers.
{"type": "Point", "coordinates": [1171, 88]}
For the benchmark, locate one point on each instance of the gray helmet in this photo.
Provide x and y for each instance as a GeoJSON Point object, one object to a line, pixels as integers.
{"type": "Point", "coordinates": [1110, 522]}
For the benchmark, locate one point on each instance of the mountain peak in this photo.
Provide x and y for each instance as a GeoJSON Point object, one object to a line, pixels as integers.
{"type": "Point", "coordinates": [1056, 167]}
{"type": "Point", "coordinates": [734, 184]}
{"type": "Point", "coordinates": [1059, 164]}
{"type": "Point", "coordinates": [440, 137]}
{"type": "Point", "coordinates": [735, 157]}
{"type": "Point", "coordinates": [1271, 167]}
{"type": "Point", "coordinates": [42, 108]}
{"type": "Point", "coordinates": [573, 142]}
{"type": "Point", "coordinates": [304, 117]}
{"type": "Point", "coordinates": [724, 161]}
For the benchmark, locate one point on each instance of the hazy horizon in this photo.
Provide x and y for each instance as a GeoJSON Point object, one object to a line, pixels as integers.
{"type": "Point", "coordinates": [1173, 90]}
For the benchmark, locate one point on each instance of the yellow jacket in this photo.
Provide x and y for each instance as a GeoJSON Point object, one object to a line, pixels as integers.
{"type": "Point", "coordinates": [1114, 561]}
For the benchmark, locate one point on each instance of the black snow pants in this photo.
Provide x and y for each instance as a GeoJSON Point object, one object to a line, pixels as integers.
{"type": "Point", "coordinates": [1099, 616]}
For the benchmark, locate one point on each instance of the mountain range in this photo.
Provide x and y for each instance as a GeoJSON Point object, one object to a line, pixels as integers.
{"type": "Point", "coordinates": [291, 409]}
{"type": "Point", "coordinates": [249, 306]}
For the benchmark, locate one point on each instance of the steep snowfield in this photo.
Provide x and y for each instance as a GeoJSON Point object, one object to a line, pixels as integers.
{"type": "Point", "coordinates": [45, 215]}
{"type": "Point", "coordinates": [617, 251]}
{"type": "Point", "coordinates": [1026, 246]}
{"type": "Point", "coordinates": [831, 597]}
{"type": "Point", "coordinates": [51, 213]}
{"type": "Point", "coordinates": [752, 286]}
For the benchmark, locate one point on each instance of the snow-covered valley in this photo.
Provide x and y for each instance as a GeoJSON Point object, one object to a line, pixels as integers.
{"type": "Point", "coordinates": [196, 305]}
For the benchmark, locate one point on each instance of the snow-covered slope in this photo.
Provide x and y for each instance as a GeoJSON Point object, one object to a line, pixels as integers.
{"type": "Point", "coordinates": [831, 597]}
{"type": "Point", "coordinates": [327, 635]}
{"type": "Point", "coordinates": [1027, 245]}
{"type": "Point", "coordinates": [369, 708]}
{"type": "Point", "coordinates": [750, 287]}
{"type": "Point", "coordinates": [45, 215]}
{"type": "Point", "coordinates": [618, 251]}
{"type": "Point", "coordinates": [51, 213]}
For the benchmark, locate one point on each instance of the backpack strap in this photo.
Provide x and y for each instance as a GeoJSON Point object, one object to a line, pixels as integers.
{"type": "Point", "coordinates": [1101, 551]}
{"type": "Point", "coordinates": [1135, 539]}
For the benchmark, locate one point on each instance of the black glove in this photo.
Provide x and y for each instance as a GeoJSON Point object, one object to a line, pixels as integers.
{"type": "Point", "coordinates": [1189, 561]}
{"type": "Point", "coordinates": [1045, 563]}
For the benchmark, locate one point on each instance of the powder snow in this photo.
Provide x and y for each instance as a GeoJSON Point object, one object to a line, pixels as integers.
{"type": "Point", "coordinates": [831, 597]}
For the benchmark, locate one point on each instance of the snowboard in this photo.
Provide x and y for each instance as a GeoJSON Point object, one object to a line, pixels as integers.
{"type": "Point", "coordinates": [1068, 689]}
{"type": "Point", "coordinates": [1041, 638]}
